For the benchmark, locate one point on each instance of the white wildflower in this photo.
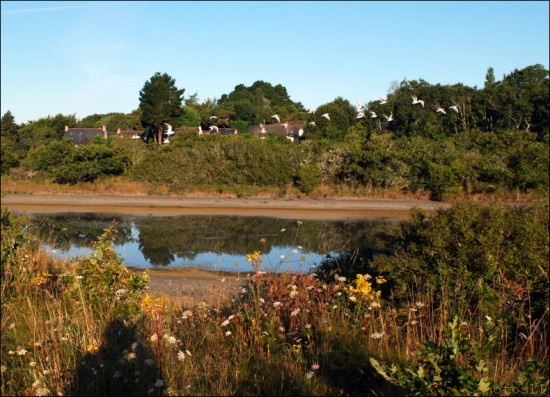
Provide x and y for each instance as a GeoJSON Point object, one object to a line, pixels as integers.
{"type": "Point", "coordinates": [295, 312]}
{"type": "Point", "coordinates": [159, 383]}
{"type": "Point", "coordinates": [226, 322]}
{"type": "Point", "coordinates": [12, 326]}
{"type": "Point", "coordinates": [309, 375]}
{"type": "Point", "coordinates": [228, 333]}
{"type": "Point", "coordinates": [172, 340]}
{"type": "Point", "coordinates": [181, 356]}
{"type": "Point", "coordinates": [134, 346]}
{"type": "Point", "coordinates": [376, 335]}
{"type": "Point", "coordinates": [188, 353]}
{"type": "Point", "coordinates": [154, 337]}
{"type": "Point", "coordinates": [131, 356]}
{"type": "Point", "coordinates": [293, 293]}
{"type": "Point", "coordinates": [276, 304]}
{"type": "Point", "coordinates": [21, 352]}
{"type": "Point", "coordinates": [32, 363]}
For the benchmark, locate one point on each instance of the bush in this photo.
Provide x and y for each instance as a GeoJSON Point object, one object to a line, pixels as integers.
{"type": "Point", "coordinates": [109, 288]}
{"type": "Point", "coordinates": [308, 178]}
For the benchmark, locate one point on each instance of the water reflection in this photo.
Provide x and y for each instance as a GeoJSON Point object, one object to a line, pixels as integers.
{"type": "Point", "coordinates": [212, 242]}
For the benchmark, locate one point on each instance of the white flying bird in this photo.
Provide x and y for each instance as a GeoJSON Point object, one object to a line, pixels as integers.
{"type": "Point", "coordinates": [360, 115]}
{"type": "Point", "coordinates": [166, 140]}
{"type": "Point", "coordinates": [312, 123]}
{"type": "Point", "coordinates": [373, 115]}
{"type": "Point", "coordinates": [276, 117]}
{"type": "Point", "coordinates": [416, 100]}
{"type": "Point", "coordinates": [454, 107]}
{"type": "Point", "coordinates": [360, 106]}
{"type": "Point", "coordinates": [383, 100]}
{"type": "Point", "coordinates": [169, 131]}
{"type": "Point", "coordinates": [439, 109]}
{"type": "Point", "coordinates": [326, 116]}
{"type": "Point", "coordinates": [389, 118]}
{"type": "Point", "coordinates": [213, 117]}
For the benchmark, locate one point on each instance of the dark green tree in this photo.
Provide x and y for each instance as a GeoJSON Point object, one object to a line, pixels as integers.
{"type": "Point", "coordinates": [160, 102]}
{"type": "Point", "coordinates": [342, 116]}
{"type": "Point", "coordinates": [35, 133]}
{"type": "Point", "coordinates": [9, 143]}
{"type": "Point", "coordinates": [9, 126]}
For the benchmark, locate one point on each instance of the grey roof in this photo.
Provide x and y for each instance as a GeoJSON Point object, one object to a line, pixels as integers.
{"type": "Point", "coordinates": [82, 136]}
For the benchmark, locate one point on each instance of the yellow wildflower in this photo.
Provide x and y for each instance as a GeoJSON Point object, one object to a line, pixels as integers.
{"type": "Point", "coordinates": [253, 257]}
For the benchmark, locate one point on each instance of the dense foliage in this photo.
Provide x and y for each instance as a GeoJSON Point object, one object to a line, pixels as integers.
{"type": "Point", "coordinates": [489, 139]}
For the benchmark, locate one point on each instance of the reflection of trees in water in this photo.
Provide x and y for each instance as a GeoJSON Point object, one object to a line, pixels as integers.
{"type": "Point", "coordinates": [80, 230]}
{"type": "Point", "coordinates": [163, 239]}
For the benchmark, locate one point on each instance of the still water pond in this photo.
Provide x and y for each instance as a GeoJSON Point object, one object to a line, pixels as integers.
{"type": "Point", "coordinates": [208, 242]}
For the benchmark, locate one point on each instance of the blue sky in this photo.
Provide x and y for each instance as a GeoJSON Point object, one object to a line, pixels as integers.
{"type": "Point", "coordinates": [84, 57]}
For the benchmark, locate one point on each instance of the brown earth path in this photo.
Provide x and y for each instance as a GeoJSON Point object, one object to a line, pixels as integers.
{"type": "Point", "coordinates": [323, 208]}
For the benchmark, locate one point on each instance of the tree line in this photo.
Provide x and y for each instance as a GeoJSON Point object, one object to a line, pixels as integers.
{"type": "Point", "coordinates": [454, 139]}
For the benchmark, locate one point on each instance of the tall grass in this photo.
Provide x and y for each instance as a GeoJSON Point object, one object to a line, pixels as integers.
{"type": "Point", "coordinates": [89, 327]}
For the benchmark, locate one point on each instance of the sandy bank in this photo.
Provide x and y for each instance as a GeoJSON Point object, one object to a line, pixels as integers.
{"type": "Point", "coordinates": [172, 205]}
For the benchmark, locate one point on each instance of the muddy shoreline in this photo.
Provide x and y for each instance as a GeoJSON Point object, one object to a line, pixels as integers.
{"type": "Point", "coordinates": [172, 205]}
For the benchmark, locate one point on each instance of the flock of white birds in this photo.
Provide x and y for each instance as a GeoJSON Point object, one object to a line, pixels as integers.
{"type": "Point", "coordinates": [360, 115]}
{"type": "Point", "coordinates": [415, 101]}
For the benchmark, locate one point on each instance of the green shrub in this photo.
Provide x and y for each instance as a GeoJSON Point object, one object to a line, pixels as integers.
{"type": "Point", "coordinates": [450, 368]}
{"type": "Point", "coordinates": [109, 288]}
{"type": "Point", "coordinates": [308, 178]}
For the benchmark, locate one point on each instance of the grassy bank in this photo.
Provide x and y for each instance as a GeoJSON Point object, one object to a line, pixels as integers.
{"type": "Point", "coordinates": [27, 183]}
{"type": "Point", "coordinates": [358, 326]}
